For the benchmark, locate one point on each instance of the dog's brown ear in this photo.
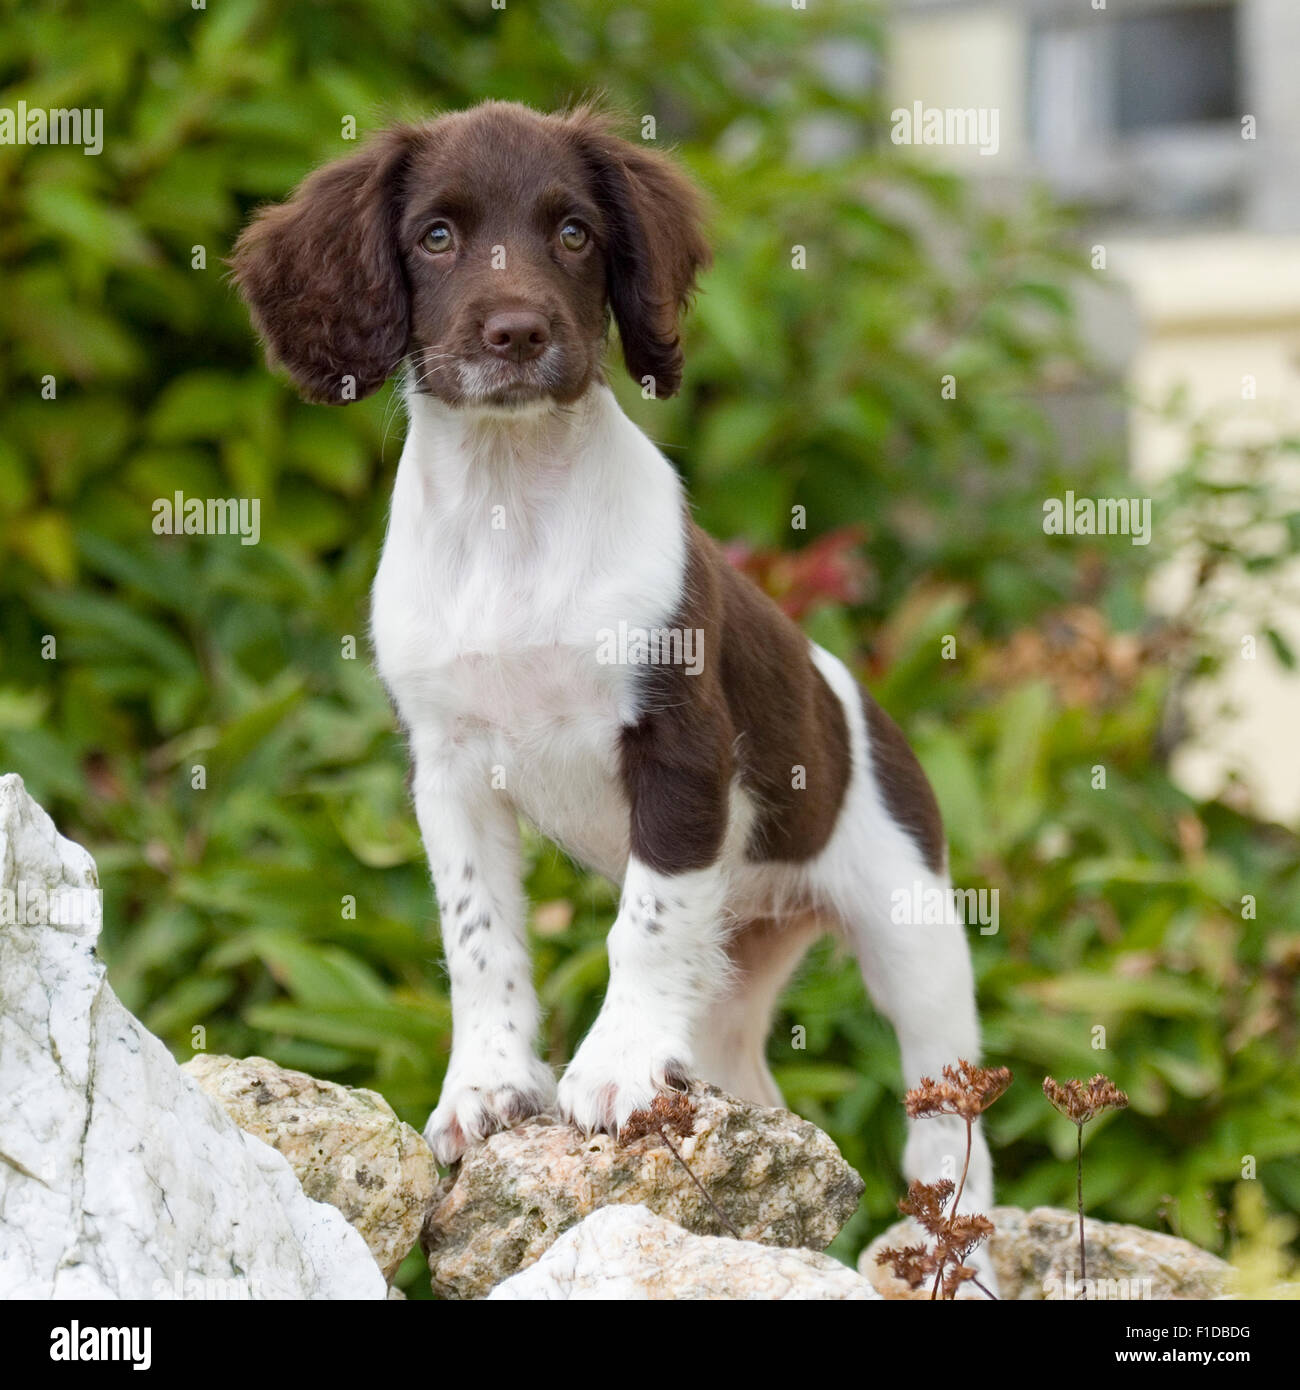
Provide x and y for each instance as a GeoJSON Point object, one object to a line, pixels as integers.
{"type": "Point", "coordinates": [323, 278]}
{"type": "Point", "coordinates": [656, 247]}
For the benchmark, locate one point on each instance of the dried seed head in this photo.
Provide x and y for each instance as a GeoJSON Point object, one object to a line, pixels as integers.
{"type": "Point", "coordinates": [674, 1113]}
{"type": "Point", "coordinates": [1082, 1101]}
{"type": "Point", "coordinates": [955, 1278]}
{"type": "Point", "coordinates": [925, 1202]}
{"type": "Point", "coordinates": [966, 1091]}
{"type": "Point", "coordinates": [966, 1232]}
{"type": "Point", "coordinates": [913, 1264]}
{"type": "Point", "coordinates": [955, 1237]}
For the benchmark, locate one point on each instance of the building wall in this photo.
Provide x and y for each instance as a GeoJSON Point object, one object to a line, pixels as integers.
{"type": "Point", "coordinates": [1202, 227]}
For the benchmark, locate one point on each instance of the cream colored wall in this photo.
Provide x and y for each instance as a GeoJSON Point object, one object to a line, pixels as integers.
{"type": "Point", "coordinates": [1214, 311]}
{"type": "Point", "coordinates": [963, 60]}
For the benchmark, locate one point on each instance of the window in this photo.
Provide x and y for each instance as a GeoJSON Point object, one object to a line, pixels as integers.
{"type": "Point", "coordinates": [1123, 74]}
{"type": "Point", "coordinates": [1178, 67]}
{"type": "Point", "coordinates": [1139, 113]}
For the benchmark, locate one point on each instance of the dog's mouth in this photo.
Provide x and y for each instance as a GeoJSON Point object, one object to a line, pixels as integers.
{"type": "Point", "coordinates": [485, 379]}
{"type": "Point", "coordinates": [473, 378]}
{"type": "Point", "coordinates": [503, 381]}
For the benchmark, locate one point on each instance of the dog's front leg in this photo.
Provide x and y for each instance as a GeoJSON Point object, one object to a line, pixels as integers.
{"type": "Point", "coordinates": [666, 963]}
{"type": "Point", "coordinates": [471, 835]}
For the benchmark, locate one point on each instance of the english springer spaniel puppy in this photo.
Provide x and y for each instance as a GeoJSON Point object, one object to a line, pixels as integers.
{"type": "Point", "coordinates": [562, 642]}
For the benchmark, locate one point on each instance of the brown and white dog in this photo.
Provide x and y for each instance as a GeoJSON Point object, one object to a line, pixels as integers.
{"type": "Point", "coordinates": [562, 642]}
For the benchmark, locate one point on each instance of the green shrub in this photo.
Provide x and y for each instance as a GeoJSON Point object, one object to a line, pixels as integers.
{"type": "Point", "coordinates": [228, 914]}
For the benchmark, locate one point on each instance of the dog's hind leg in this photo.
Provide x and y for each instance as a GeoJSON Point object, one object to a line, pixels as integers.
{"type": "Point", "coordinates": [919, 976]}
{"type": "Point", "coordinates": [731, 1050]}
{"type": "Point", "coordinates": [885, 875]}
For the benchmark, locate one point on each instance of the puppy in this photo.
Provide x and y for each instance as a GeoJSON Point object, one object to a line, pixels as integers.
{"type": "Point", "coordinates": [562, 642]}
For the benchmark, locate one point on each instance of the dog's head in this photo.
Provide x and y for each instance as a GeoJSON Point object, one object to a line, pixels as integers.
{"type": "Point", "coordinates": [489, 248]}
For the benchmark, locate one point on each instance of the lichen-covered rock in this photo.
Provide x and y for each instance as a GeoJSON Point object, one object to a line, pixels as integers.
{"type": "Point", "coordinates": [119, 1178]}
{"type": "Point", "coordinates": [627, 1252]}
{"type": "Point", "coordinates": [779, 1180]}
{"type": "Point", "coordinates": [345, 1144]}
{"type": "Point", "coordinates": [1036, 1256]}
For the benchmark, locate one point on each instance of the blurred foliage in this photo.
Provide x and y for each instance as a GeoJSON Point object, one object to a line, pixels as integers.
{"type": "Point", "coordinates": [1261, 1251]}
{"type": "Point", "coordinates": [227, 907]}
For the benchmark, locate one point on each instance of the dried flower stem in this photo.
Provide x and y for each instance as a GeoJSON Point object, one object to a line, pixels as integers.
{"type": "Point", "coordinates": [1080, 1101]}
{"type": "Point", "coordinates": [675, 1111]}
{"type": "Point", "coordinates": [961, 1186]}
{"type": "Point", "coordinates": [721, 1215]}
{"type": "Point", "coordinates": [965, 1091]}
{"type": "Point", "coordinates": [1083, 1252]}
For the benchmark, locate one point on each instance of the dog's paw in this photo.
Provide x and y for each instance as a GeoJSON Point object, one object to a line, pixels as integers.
{"type": "Point", "coordinates": [610, 1078]}
{"type": "Point", "coordinates": [475, 1104]}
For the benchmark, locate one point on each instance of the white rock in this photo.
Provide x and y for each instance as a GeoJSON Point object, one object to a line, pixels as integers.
{"type": "Point", "coordinates": [627, 1252]}
{"type": "Point", "coordinates": [119, 1178]}
{"type": "Point", "coordinates": [344, 1144]}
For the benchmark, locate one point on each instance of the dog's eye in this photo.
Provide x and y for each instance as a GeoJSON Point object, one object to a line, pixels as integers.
{"type": "Point", "coordinates": [438, 239]}
{"type": "Point", "coordinates": [573, 236]}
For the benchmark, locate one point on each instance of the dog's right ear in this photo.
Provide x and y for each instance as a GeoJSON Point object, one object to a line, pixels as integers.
{"type": "Point", "coordinates": [323, 278]}
{"type": "Point", "coordinates": [656, 245]}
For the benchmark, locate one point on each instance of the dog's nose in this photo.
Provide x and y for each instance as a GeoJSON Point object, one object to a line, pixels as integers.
{"type": "Point", "coordinates": [517, 334]}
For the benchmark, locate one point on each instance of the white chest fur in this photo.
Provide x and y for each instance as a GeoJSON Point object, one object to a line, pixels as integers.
{"type": "Point", "coordinates": [514, 547]}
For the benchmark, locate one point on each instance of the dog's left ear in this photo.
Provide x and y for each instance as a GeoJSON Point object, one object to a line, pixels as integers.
{"type": "Point", "coordinates": [323, 279]}
{"type": "Point", "coordinates": [656, 246]}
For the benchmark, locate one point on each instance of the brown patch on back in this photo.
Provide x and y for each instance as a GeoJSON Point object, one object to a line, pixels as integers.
{"type": "Point", "coordinates": [904, 785]}
{"type": "Point", "coordinates": [677, 759]}
{"type": "Point", "coordinates": [787, 717]}
{"type": "Point", "coordinates": [759, 707]}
